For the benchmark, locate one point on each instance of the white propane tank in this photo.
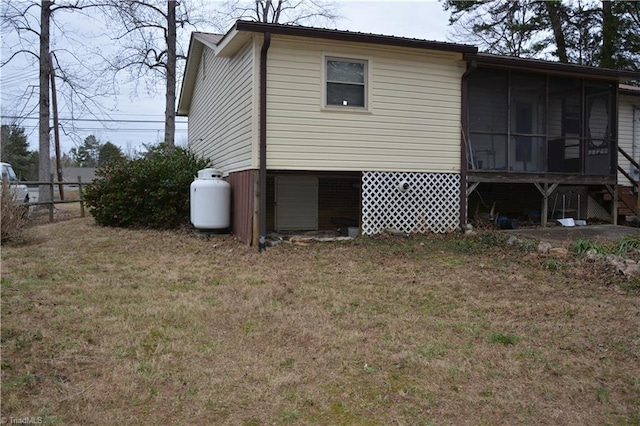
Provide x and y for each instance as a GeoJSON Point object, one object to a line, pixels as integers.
{"type": "Point", "coordinates": [210, 199]}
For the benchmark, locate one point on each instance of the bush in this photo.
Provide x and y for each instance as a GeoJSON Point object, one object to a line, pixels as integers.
{"type": "Point", "coordinates": [13, 214]}
{"type": "Point", "coordinates": [149, 192]}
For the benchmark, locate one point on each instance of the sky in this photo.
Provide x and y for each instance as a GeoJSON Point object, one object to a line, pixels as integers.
{"type": "Point", "coordinates": [145, 111]}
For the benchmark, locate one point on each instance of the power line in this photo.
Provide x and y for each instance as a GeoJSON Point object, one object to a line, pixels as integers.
{"type": "Point", "coordinates": [99, 120]}
{"type": "Point", "coordinates": [137, 114]}
{"type": "Point", "coordinates": [18, 77]}
{"type": "Point", "coordinates": [96, 129]}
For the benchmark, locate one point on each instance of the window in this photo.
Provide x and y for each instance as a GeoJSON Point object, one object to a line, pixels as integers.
{"type": "Point", "coordinates": [346, 83]}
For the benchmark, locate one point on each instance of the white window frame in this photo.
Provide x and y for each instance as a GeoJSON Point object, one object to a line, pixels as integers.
{"type": "Point", "coordinates": [367, 79]}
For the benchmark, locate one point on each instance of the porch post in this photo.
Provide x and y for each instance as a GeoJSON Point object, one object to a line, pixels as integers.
{"type": "Point", "coordinates": [545, 206]}
{"type": "Point", "coordinates": [613, 190]}
{"type": "Point", "coordinates": [546, 191]}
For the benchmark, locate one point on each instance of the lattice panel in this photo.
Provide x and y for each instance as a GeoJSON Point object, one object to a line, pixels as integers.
{"type": "Point", "coordinates": [430, 203]}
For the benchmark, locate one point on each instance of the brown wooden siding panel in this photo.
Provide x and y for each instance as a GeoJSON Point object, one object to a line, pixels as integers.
{"type": "Point", "coordinates": [242, 204]}
{"type": "Point", "coordinates": [271, 203]}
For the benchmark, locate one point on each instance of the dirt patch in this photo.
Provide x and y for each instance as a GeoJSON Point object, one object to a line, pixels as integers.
{"type": "Point", "coordinates": [39, 215]}
{"type": "Point", "coordinates": [559, 234]}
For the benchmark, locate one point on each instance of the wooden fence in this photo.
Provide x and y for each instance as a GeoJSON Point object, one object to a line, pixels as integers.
{"type": "Point", "coordinates": [53, 201]}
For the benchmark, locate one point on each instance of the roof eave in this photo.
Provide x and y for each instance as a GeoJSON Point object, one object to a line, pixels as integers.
{"type": "Point", "coordinates": [553, 67]}
{"type": "Point", "coordinates": [190, 74]}
{"type": "Point", "coordinates": [294, 30]}
{"type": "Point", "coordinates": [231, 42]}
{"type": "Point", "coordinates": [629, 90]}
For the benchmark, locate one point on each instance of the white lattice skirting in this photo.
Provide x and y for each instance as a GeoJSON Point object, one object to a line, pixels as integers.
{"type": "Point", "coordinates": [410, 202]}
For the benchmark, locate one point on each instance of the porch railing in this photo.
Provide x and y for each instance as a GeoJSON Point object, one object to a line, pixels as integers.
{"type": "Point", "coordinates": [635, 183]}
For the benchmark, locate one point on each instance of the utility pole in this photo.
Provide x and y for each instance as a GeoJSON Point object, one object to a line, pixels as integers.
{"type": "Point", "coordinates": [56, 126]}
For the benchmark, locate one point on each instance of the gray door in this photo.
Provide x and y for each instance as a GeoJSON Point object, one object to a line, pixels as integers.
{"type": "Point", "coordinates": [296, 203]}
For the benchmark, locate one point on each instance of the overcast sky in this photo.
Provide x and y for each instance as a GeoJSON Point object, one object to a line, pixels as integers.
{"type": "Point", "coordinates": [419, 19]}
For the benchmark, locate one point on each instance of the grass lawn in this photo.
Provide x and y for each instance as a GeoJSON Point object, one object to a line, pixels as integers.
{"type": "Point", "coordinates": [114, 326]}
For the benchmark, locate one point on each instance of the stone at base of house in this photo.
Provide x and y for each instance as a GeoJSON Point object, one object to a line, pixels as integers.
{"type": "Point", "coordinates": [559, 252]}
{"type": "Point", "coordinates": [626, 267]}
{"type": "Point", "coordinates": [395, 232]}
{"type": "Point", "coordinates": [544, 247]}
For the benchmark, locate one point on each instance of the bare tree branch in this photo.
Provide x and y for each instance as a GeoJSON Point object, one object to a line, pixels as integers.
{"type": "Point", "coordinates": [149, 45]}
{"type": "Point", "coordinates": [14, 54]}
{"type": "Point", "coordinates": [81, 91]}
{"type": "Point", "coordinates": [293, 12]}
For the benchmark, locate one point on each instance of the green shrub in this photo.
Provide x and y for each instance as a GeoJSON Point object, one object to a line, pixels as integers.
{"type": "Point", "coordinates": [149, 192]}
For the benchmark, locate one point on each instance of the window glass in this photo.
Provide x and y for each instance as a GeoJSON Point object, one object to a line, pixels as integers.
{"type": "Point", "coordinates": [489, 151]}
{"type": "Point", "coordinates": [346, 83]}
{"type": "Point", "coordinates": [345, 72]}
{"type": "Point", "coordinates": [564, 117]}
{"type": "Point", "coordinates": [488, 101]}
{"type": "Point", "coordinates": [528, 104]}
{"type": "Point", "coordinates": [345, 95]}
{"type": "Point", "coordinates": [529, 154]}
{"type": "Point", "coordinates": [488, 112]}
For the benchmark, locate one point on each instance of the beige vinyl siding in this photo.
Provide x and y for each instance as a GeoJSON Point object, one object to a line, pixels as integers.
{"type": "Point", "coordinates": [411, 123]}
{"type": "Point", "coordinates": [625, 134]}
{"type": "Point", "coordinates": [221, 112]}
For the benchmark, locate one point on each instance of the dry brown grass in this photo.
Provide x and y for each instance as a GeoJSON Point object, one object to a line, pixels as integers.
{"type": "Point", "coordinates": [114, 326]}
{"type": "Point", "coordinates": [12, 214]}
{"type": "Point", "coordinates": [39, 215]}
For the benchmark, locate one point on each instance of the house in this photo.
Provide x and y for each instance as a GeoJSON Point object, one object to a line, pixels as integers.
{"type": "Point", "coordinates": [73, 174]}
{"type": "Point", "coordinates": [318, 129]}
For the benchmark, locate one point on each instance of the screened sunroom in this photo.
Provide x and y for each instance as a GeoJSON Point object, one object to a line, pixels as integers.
{"type": "Point", "coordinates": [529, 122]}
{"type": "Point", "coordinates": [540, 136]}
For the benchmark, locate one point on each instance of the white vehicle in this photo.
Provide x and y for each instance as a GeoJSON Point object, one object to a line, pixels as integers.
{"type": "Point", "coordinates": [22, 193]}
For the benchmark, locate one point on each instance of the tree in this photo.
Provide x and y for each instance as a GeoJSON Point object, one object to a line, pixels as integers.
{"type": "Point", "coordinates": [44, 167]}
{"type": "Point", "coordinates": [597, 33]}
{"type": "Point", "coordinates": [87, 154]}
{"type": "Point", "coordinates": [620, 35]}
{"type": "Point", "coordinates": [31, 39]}
{"type": "Point", "coordinates": [93, 153]}
{"type": "Point", "coordinates": [502, 27]}
{"type": "Point", "coordinates": [582, 33]}
{"type": "Point", "coordinates": [15, 149]}
{"type": "Point", "coordinates": [34, 166]}
{"type": "Point", "coordinates": [149, 47]}
{"type": "Point", "coordinates": [66, 160]}
{"type": "Point", "coordinates": [110, 153]}
{"type": "Point", "coordinates": [291, 12]}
